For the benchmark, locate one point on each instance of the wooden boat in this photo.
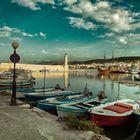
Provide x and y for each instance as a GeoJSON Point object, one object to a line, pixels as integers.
{"type": "Point", "coordinates": [8, 84]}
{"type": "Point", "coordinates": [113, 114]}
{"type": "Point", "coordinates": [36, 96]}
{"type": "Point", "coordinates": [50, 104]}
{"type": "Point", "coordinates": [21, 74]}
{"type": "Point", "coordinates": [46, 89]}
{"type": "Point", "coordinates": [104, 71]}
{"type": "Point", "coordinates": [79, 108]}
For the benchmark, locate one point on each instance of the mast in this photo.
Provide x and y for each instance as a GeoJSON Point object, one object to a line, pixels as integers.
{"type": "Point", "coordinates": [104, 55]}
{"type": "Point", "coordinates": [112, 54]}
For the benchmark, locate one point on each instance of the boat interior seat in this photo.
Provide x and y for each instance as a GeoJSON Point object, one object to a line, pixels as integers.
{"type": "Point", "coordinates": [118, 108]}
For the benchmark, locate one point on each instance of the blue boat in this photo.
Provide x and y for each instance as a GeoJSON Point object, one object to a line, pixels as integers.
{"type": "Point", "coordinates": [22, 84]}
{"type": "Point", "coordinates": [36, 96]}
{"type": "Point", "coordinates": [50, 104]}
{"type": "Point", "coordinates": [79, 108]}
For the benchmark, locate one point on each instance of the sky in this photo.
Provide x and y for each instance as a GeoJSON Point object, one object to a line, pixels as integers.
{"type": "Point", "coordinates": [84, 29]}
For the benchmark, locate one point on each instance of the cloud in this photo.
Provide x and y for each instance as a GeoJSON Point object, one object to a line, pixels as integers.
{"type": "Point", "coordinates": [44, 51]}
{"type": "Point", "coordinates": [42, 35]}
{"type": "Point", "coordinates": [123, 40]}
{"type": "Point", "coordinates": [5, 31]}
{"type": "Point", "coordinates": [69, 2]}
{"type": "Point", "coordinates": [33, 4]}
{"type": "Point", "coordinates": [81, 23]}
{"type": "Point", "coordinates": [27, 34]}
{"type": "Point", "coordinates": [111, 34]}
{"type": "Point", "coordinates": [14, 33]}
{"type": "Point", "coordinates": [16, 39]}
{"type": "Point", "coordinates": [4, 44]}
{"type": "Point", "coordinates": [115, 18]}
{"type": "Point", "coordinates": [129, 39]}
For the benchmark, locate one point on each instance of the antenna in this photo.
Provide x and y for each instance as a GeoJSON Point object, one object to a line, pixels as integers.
{"type": "Point", "coordinates": [112, 54]}
{"type": "Point", "coordinates": [104, 55]}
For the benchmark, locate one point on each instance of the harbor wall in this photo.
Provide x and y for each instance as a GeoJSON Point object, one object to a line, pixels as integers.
{"type": "Point", "coordinates": [31, 67]}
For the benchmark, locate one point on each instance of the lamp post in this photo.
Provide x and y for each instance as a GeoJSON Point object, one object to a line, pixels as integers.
{"type": "Point", "coordinates": [15, 59]}
{"type": "Point", "coordinates": [44, 78]}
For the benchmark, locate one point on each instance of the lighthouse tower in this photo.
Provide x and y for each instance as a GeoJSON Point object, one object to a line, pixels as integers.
{"type": "Point", "coordinates": [65, 62]}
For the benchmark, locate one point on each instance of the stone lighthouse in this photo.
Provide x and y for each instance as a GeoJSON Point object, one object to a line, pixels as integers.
{"type": "Point", "coordinates": [65, 62]}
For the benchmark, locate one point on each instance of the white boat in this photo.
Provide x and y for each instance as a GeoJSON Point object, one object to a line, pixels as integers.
{"type": "Point", "coordinates": [115, 113]}
{"type": "Point", "coordinates": [79, 108]}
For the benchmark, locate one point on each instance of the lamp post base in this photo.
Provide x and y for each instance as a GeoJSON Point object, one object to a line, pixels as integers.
{"type": "Point", "coordinates": [13, 101]}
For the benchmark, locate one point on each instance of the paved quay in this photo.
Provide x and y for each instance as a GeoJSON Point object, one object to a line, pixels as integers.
{"type": "Point", "coordinates": [23, 123]}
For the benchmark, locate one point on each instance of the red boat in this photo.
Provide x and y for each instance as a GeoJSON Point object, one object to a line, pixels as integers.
{"type": "Point", "coordinates": [115, 113]}
{"type": "Point", "coordinates": [104, 71]}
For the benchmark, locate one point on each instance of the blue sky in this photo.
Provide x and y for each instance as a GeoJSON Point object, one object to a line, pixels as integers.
{"type": "Point", "coordinates": [84, 29]}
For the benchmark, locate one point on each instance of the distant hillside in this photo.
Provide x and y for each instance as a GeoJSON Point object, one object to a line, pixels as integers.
{"type": "Point", "coordinates": [119, 59]}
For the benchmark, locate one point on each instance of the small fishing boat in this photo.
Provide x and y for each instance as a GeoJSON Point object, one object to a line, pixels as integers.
{"type": "Point", "coordinates": [79, 108]}
{"type": "Point", "coordinates": [33, 97]}
{"type": "Point", "coordinates": [50, 104]}
{"type": "Point", "coordinates": [8, 84]}
{"type": "Point", "coordinates": [104, 71]}
{"type": "Point", "coordinates": [112, 114]}
{"type": "Point", "coordinates": [46, 89]}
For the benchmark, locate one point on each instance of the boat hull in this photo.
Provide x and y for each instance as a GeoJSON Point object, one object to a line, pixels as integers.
{"type": "Point", "coordinates": [103, 71]}
{"type": "Point", "coordinates": [46, 107]}
{"type": "Point", "coordinates": [111, 120]}
{"type": "Point", "coordinates": [65, 112]}
{"type": "Point", "coordinates": [79, 108]}
{"type": "Point", "coordinates": [137, 113]}
{"type": "Point", "coordinates": [34, 98]}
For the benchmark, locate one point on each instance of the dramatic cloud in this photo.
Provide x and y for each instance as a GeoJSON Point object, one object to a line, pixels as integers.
{"type": "Point", "coordinates": [113, 17]}
{"type": "Point", "coordinates": [32, 4]}
{"type": "Point", "coordinates": [81, 23]}
{"type": "Point", "coordinates": [117, 19]}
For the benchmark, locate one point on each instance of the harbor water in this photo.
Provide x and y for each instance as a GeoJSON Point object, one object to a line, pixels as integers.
{"type": "Point", "coordinates": [76, 80]}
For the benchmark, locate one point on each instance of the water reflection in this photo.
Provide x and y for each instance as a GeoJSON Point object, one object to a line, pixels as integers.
{"type": "Point", "coordinates": [76, 80]}
{"type": "Point", "coordinates": [66, 82]}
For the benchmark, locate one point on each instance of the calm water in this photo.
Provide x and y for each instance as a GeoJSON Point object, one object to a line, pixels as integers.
{"type": "Point", "coordinates": [113, 90]}
{"type": "Point", "coordinates": [78, 80]}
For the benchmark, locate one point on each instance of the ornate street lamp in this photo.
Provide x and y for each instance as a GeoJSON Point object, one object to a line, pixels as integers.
{"type": "Point", "coordinates": [15, 59]}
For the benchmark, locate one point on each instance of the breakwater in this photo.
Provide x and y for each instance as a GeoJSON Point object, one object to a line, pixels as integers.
{"type": "Point", "coordinates": [32, 67]}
